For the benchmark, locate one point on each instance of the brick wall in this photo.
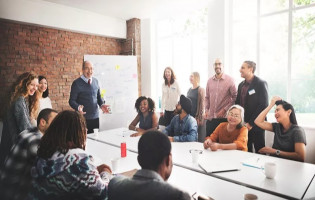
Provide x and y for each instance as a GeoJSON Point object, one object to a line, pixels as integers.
{"type": "Point", "coordinates": [56, 54]}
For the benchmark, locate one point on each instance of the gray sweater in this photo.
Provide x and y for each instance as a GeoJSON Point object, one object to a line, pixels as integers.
{"type": "Point", "coordinates": [87, 95]}
{"type": "Point", "coordinates": [16, 121]}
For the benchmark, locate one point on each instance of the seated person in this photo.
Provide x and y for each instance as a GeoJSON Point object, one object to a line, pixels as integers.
{"type": "Point", "coordinates": [183, 127]}
{"type": "Point", "coordinates": [16, 177]}
{"type": "Point", "coordinates": [146, 116]}
{"type": "Point", "coordinates": [231, 134]}
{"type": "Point", "coordinates": [155, 159]}
{"type": "Point", "coordinates": [289, 140]}
{"type": "Point", "coordinates": [63, 170]}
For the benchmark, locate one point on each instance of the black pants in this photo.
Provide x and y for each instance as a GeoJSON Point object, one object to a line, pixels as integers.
{"type": "Point", "coordinates": [92, 124]}
{"type": "Point", "coordinates": [212, 125]}
{"type": "Point", "coordinates": [168, 116]}
{"type": "Point", "coordinates": [256, 138]}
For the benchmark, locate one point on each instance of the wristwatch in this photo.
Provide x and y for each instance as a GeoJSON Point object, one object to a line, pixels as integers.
{"type": "Point", "coordinates": [278, 152]}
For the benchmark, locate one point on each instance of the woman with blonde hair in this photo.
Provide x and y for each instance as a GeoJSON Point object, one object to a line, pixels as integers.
{"type": "Point", "coordinates": [22, 109]}
{"type": "Point", "coordinates": [231, 134]}
{"type": "Point", "coordinates": [197, 96]}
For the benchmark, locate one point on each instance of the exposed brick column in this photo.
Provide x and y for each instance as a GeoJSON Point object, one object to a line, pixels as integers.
{"type": "Point", "coordinates": [132, 45]}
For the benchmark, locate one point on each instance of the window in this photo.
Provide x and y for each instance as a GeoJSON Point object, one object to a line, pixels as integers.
{"type": "Point", "coordinates": [279, 35]}
{"type": "Point", "coordinates": [182, 44]}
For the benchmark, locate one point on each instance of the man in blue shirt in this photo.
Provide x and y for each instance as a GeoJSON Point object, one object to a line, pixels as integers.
{"type": "Point", "coordinates": [183, 127]}
{"type": "Point", "coordinates": [85, 97]}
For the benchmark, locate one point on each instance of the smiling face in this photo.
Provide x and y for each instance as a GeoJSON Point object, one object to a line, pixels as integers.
{"type": "Point", "coordinates": [42, 86]}
{"type": "Point", "coordinates": [144, 106]}
{"type": "Point", "coordinates": [88, 70]}
{"type": "Point", "coordinates": [218, 67]}
{"type": "Point", "coordinates": [234, 117]}
{"type": "Point", "coordinates": [168, 74]}
{"type": "Point", "coordinates": [281, 114]}
{"type": "Point", "coordinates": [32, 87]}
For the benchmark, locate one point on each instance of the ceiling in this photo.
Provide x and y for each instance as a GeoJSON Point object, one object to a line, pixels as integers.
{"type": "Point", "coordinates": [127, 9]}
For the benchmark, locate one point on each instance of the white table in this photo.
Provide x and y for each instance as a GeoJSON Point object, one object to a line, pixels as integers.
{"type": "Point", "coordinates": [201, 183]}
{"type": "Point", "coordinates": [103, 154]}
{"type": "Point", "coordinates": [291, 181]}
{"type": "Point", "coordinates": [292, 178]}
{"type": "Point", "coordinates": [310, 194]}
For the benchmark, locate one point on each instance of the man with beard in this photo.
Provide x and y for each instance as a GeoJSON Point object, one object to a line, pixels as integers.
{"type": "Point", "coordinates": [253, 97]}
{"type": "Point", "coordinates": [220, 96]}
{"type": "Point", "coordinates": [183, 127]}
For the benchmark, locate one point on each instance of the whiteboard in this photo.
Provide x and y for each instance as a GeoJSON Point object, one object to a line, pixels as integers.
{"type": "Point", "coordinates": [118, 80]}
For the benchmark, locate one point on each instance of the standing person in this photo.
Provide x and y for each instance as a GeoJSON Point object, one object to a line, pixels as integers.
{"type": "Point", "coordinates": [289, 139]}
{"type": "Point", "coordinates": [63, 170]}
{"type": "Point", "coordinates": [183, 127]}
{"type": "Point", "coordinates": [22, 109]}
{"type": "Point", "coordinates": [252, 95]}
{"type": "Point", "coordinates": [220, 96]}
{"type": "Point", "coordinates": [170, 95]}
{"type": "Point", "coordinates": [15, 179]}
{"type": "Point", "coordinates": [146, 116]}
{"type": "Point", "coordinates": [231, 134]}
{"type": "Point", "coordinates": [85, 97]}
{"type": "Point", "coordinates": [155, 159]}
{"type": "Point", "coordinates": [44, 100]}
{"type": "Point", "coordinates": [197, 96]}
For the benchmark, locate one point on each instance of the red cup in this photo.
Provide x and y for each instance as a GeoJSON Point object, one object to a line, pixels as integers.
{"type": "Point", "coordinates": [123, 149]}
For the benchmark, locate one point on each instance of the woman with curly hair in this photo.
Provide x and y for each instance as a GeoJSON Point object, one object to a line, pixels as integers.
{"type": "Point", "coordinates": [146, 116]}
{"type": "Point", "coordinates": [22, 110]}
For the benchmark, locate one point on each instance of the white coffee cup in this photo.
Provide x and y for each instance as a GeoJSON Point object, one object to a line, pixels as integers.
{"type": "Point", "coordinates": [195, 155]}
{"type": "Point", "coordinates": [250, 196]}
{"type": "Point", "coordinates": [270, 169]}
{"type": "Point", "coordinates": [95, 131]}
{"type": "Point", "coordinates": [115, 165]}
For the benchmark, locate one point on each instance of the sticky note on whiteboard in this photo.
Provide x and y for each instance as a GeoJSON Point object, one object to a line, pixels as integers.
{"type": "Point", "coordinates": [117, 67]}
{"type": "Point", "coordinates": [103, 92]}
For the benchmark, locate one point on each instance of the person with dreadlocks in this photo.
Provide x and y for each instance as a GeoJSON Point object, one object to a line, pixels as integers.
{"type": "Point", "coordinates": [64, 170]}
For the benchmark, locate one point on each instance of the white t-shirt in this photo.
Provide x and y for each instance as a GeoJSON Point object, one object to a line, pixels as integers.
{"type": "Point", "coordinates": [44, 103]}
{"type": "Point", "coordinates": [170, 96]}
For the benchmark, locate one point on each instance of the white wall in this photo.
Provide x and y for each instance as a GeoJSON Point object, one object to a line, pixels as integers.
{"type": "Point", "coordinates": [62, 17]}
{"type": "Point", "coordinates": [216, 32]}
{"type": "Point", "coordinates": [147, 63]}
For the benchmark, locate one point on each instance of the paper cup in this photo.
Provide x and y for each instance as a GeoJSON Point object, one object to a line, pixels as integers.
{"type": "Point", "coordinates": [115, 165]}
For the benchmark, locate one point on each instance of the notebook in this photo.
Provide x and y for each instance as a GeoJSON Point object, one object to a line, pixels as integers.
{"type": "Point", "coordinates": [210, 166]}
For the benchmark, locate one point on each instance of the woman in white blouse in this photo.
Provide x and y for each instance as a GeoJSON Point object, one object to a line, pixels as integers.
{"type": "Point", "coordinates": [170, 95]}
{"type": "Point", "coordinates": [44, 100]}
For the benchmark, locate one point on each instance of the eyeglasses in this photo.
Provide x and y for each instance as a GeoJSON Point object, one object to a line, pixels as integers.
{"type": "Point", "coordinates": [217, 64]}
{"type": "Point", "coordinates": [233, 115]}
